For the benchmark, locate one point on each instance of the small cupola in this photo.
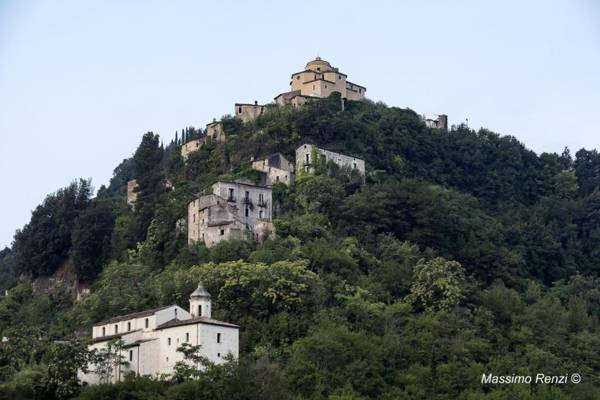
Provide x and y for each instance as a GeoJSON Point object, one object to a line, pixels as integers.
{"type": "Point", "coordinates": [200, 302]}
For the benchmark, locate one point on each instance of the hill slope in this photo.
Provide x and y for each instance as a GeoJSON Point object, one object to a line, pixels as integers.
{"type": "Point", "coordinates": [461, 253]}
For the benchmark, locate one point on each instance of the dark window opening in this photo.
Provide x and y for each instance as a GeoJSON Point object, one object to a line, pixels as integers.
{"type": "Point", "coordinates": [147, 322]}
{"type": "Point", "coordinates": [130, 355]}
{"type": "Point", "coordinates": [218, 338]}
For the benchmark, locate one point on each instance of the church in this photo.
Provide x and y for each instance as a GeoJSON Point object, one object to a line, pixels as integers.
{"type": "Point", "coordinates": [151, 338]}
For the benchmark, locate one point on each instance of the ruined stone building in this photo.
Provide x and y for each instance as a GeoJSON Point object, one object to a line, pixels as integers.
{"type": "Point", "coordinates": [214, 131]}
{"type": "Point", "coordinates": [305, 159]}
{"type": "Point", "coordinates": [234, 210]}
{"type": "Point", "coordinates": [190, 147]}
{"type": "Point", "coordinates": [277, 169]}
{"type": "Point", "coordinates": [132, 194]}
{"type": "Point", "coordinates": [440, 122]}
{"type": "Point", "coordinates": [248, 112]}
{"type": "Point", "coordinates": [319, 79]}
{"type": "Point", "coordinates": [151, 338]}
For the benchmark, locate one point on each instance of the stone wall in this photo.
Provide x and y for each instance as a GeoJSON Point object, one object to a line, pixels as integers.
{"type": "Point", "coordinates": [214, 131]}
{"type": "Point", "coordinates": [277, 169]}
{"type": "Point", "coordinates": [190, 147]}
{"type": "Point", "coordinates": [305, 162]}
{"type": "Point", "coordinates": [132, 194]}
{"type": "Point", "coordinates": [232, 211]}
{"type": "Point", "coordinates": [248, 112]}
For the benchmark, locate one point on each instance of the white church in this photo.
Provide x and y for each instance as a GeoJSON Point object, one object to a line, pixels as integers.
{"type": "Point", "coordinates": [151, 338]}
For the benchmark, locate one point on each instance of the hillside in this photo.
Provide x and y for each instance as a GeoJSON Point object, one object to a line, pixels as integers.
{"type": "Point", "coordinates": [459, 253]}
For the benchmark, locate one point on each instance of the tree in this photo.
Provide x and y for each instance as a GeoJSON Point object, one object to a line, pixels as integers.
{"type": "Point", "coordinates": [108, 361]}
{"type": "Point", "coordinates": [90, 239]}
{"type": "Point", "coordinates": [146, 161]}
{"type": "Point", "coordinates": [438, 284]}
{"type": "Point", "coordinates": [190, 366]}
{"type": "Point", "coordinates": [64, 359]}
{"type": "Point", "coordinates": [44, 243]}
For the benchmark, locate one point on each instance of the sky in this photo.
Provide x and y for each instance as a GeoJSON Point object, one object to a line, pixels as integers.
{"type": "Point", "coordinates": [82, 81]}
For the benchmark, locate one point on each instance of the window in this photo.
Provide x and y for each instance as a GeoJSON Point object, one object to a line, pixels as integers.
{"type": "Point", "coordinates": [277, 178]}
{"type": "Point", "coordinates": [147, 323]}
{"type": "Point", "coordinates": [199, 311]}
{"type": "Point", "coordinates": [103, 331]}
{"type": "Point", "coordinates": [130, 355]}
{"type": "Point", "coordinates": [261, 197]}
{"type": "Point", "coordinates": [354, 165]}
{"type": "Point", "coordinates": [218, 354]}
{"type": "Point", "coordinates": [307, 158]}
{"type": "Point", "coordinates": [187, 336]}
{"type": "Point", "coordinates": [222, 232]}
{"type": "Point", "coordinates": [169, 341]}
{"type": "Point", "coordinates": [339, 77]}
{"type": "Point", "coordinates": [218, 338]}
{"type": "Point", "coordinates": [116, 328]}
{"type": "Point", "coordinates": [298, 77]}
{"type": "Point", "coordinates": [260, 214]}
{"type": "Point", "coordinates": [194, 218]}
{"type": "Point", "coordinates": [128, 326]}
{"type": "Point", "coordinates": [231, 194]}
{"type": "Point", "coordinates": [247, 195]}
{"type": "Point", "coordinates": [239, 110]}
{"type": "Point", "coordinates": [247, 211]}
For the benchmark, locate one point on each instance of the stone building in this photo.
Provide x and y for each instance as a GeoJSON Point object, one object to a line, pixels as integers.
{"type": "Point", "coordinates": [151, 338]}
{"type": "Point", "coordinates": [214, 131]}
{"type": "Point", "coordinates": [234, 210]}
{"type": "Point", "coordinates": [306, 153]}
{"type": "Point", "coordinates": [319, 79]}
{"type": "Point", "coordinates": [276, 169]}
{"type": "Point", "coordinates": [132, 194]}
{"type": "Point", "coordinates": [440, 122]}
{"type": "Point", "coordinates": [248, 112]}
{"type": "Point", "coordinates": [190, 147]}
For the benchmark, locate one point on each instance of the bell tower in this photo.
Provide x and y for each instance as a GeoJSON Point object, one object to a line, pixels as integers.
{"type": "Point", "coordinates": [200, 302]}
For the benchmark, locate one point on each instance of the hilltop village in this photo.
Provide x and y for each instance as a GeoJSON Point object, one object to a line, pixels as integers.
{"type": "Point", "coordinates": [237, 209]}
{"type": "Point", "coordinates": [243, 210]}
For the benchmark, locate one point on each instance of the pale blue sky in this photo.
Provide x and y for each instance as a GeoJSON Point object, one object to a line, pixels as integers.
{"type": "Point", "coordinates": [81, 81]}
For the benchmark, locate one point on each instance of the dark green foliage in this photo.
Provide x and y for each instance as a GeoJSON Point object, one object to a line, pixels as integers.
{"type": "Point", "coordinates": [146, 162]}
{"type": "Point", "coordinates": [121, 175]}
{"type": "Point", "coordinates": [458, 253]}
{"type": "Point", "coordinates": [44, 243]}
{"type": "Point", "coordinates": [7, 269]}
{"type": "Point", "coordinates": [91, 238]}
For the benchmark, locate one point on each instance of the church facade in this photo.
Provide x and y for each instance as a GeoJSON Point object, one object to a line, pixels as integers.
{"type": "Point", "coordinates": [150, 338]}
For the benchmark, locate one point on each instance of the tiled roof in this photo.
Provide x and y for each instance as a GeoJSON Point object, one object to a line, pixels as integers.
{"type": "Point", "coordinates": [125, 317]}
{"type": "Point", "coordinates": [195, 320]}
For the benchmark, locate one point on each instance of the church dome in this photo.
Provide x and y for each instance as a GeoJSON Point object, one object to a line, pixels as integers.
{"type": "Point", "coordinates": [318, 65]}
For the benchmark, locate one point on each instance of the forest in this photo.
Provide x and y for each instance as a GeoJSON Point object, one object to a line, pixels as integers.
{"type": "Point", "coordinates": [459, 253]}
